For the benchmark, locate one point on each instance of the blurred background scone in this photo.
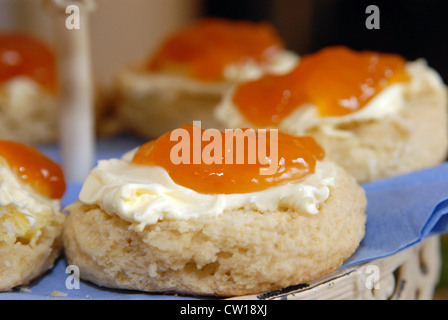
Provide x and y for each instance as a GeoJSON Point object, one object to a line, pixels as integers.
{"type": "Point", "coordinates": [144, 223]}
{"type": "Point", "coordinates": [28, 86]}
{"type": "Point", "coordinates": [375, 114]}
{"type": "Point", "coordinates": [186, 76]}
{"type": "Point", "coordinates": [29, 107]}
{"type": "Point", "coordinates": [31, 186]}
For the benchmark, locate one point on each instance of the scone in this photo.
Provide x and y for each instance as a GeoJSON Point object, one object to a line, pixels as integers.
{"type": "Point", "coordinates": [187, 75]}
{"type": "Point", "coordinates": [153, 222]}
{"type": "Point", "coordinates": [375, 114]}
{"type": "Point", "coordinates": [31, 186]}
{"type": "Point", "coordinates": [29, 108]}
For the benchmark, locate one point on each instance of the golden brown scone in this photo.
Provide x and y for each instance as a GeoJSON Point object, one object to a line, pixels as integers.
{"type": "Point", "coordinates": [29, 114]}
{"type": "Point", "coordinates": [235, 253]}
{"type": "Point", "coordinates": [185, 77]}
{"type": "Point", "coordinates": [31, 220]}
{"type": "Point", "coordinates": [26, 254]}
{"type": "Point", "coordinates": [29, 106]}
{"type": "Point", "coordinates": [402, 133]}
{"type": "Point", "coordinates": [416, 138]}
{"type": "Point", "coordinates": [150, 104]}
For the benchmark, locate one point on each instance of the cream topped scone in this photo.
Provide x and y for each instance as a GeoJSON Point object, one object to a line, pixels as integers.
{"type": "Point", "coordinates": [188, 74]}
{"type": "Point", "coordinates": [165, 218]}
{"type": "Point", "coordinates": [28, 85]}
{"type": "Point", "coordinates": [375, 114]}
{"type": "Point", "coordinates": [29, 107]}
{"type": "Point", "coordinates": [31, 186]}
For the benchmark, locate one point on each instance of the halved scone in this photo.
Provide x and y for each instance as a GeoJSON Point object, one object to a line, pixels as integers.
{"type": "Point", "coordinates": [31, 219]}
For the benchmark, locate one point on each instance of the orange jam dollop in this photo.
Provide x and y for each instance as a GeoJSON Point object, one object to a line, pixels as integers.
{"type": "Point", "coordinates": [337, 80]}
{"type": "Point", "coordinates": [34, 168]}
{"type": "Point", "coordinates": [24, 55]}
{"type": "Point", "coordinates": [204, 48]}
{"type": "Point", "coordinates": [297, 158]}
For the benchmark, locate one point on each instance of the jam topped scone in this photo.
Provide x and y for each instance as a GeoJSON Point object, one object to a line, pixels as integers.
{"type": "Point", "coordinates": [210, 227]}
{"type": "Point", "coordinates": [29, 102]}
{"type": "Point", "coordinates": [186, 76]}
{"type": "Point", "coordinates": [28, 87]}
{"type": "Point", "coordinates": [27, 56]}
{"type": "Point", "coordinates": [31, 186]}
{"type": "Point", "coordinates": [375, 114]}
{"type": "Point", "coordinates": [217, 50]}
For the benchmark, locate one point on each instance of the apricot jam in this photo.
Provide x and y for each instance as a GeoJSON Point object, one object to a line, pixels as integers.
{"type": "Point", "coordinates": [34, 168]}
{"type": "Point", "coordinates": [296, 160]}
{"type": "Point", "coordinates": [204, 48]}
{"type": "Point", "coordinates": [24, 55]}
{"type": "Point", "coordinates": [337, 80]}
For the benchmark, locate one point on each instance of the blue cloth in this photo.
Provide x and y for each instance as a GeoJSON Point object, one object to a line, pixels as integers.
{"type": "Point", "coordinates": [401, 212]}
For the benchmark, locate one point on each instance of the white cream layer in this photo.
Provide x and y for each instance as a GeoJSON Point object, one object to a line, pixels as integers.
{"type": "Point", "coordinates": [23, 198]}
{"type": "Point", "coordinates": [146, 194]}
{"type": "Point", "coordinates": [282, 63]}
{"type": "Point", "coordinates": [388, 102]}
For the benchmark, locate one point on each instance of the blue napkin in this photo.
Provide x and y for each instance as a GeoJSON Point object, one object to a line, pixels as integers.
{"type": "Point", "coordinates": [401, 212]}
